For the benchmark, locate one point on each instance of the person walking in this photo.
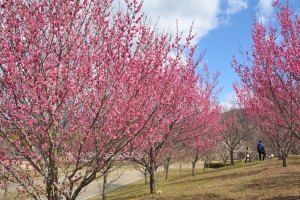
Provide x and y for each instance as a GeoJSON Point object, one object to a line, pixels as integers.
{"type": "Point", "coordinates": [248, 154]}
{"type": "Point", "coordinates": [261, 150]}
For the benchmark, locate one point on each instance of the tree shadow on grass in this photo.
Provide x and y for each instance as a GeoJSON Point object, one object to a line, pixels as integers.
{"type": "Point", "coordinates": [232, 175]}
{"type": "Point", "coordinates": [207, 196]}
{"type": "Point", "coordinates": [277, 182]}
{"type": "Point", "coordinates": [285, 198]}
{"type": "Point", "coordinates": [129, 192]}
{"type": "Point", "coordinates": [212, 173]}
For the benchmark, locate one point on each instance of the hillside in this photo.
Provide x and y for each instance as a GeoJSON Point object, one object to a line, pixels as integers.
{"type": "Point", "coordinates": [256, 180]}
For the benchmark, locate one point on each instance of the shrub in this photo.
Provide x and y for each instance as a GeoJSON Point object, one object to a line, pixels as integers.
{"type": "Point", "coordinates": [217, 164]}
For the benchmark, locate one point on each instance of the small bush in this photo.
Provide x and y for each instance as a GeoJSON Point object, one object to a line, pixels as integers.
{"type": "Point", "coordinates": [217, 165]}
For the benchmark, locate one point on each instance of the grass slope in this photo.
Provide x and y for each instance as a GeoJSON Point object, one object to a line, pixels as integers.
{"type": "Point", "coordinates": [256, 180]}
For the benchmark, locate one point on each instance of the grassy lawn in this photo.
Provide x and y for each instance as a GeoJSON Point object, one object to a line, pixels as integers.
{"type": "Point", "coordinates": [256, 180]}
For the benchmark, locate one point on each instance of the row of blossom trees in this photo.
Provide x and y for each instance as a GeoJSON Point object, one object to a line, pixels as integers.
{"type": "Point", "coordinates": [81, 84]}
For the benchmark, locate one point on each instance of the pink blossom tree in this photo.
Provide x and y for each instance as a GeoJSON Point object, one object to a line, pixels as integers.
{"type": "Point", "coordinates": [271, 74]}
{"type": "Point", "coordinates": [203, 124]}
{"type": "Point", "coordinates": [205, 139]}
{"type": "Point", "coordinates": [270, 123]}
{"type": "Point", "coordinates": [79, 83]}
{"type": "Point", "coordinates": [269, 84]}
{"type": "Point", "coordinates": [190, 110]}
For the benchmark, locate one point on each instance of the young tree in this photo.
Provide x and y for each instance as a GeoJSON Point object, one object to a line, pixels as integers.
{"type": "Point", "coordinates": [283, 142]}
{"type": "Point", "coordinates": [208, 158]}
{"type": "Point", "coordinates": [167, 161]}
{"type": "Point", "coordinates": [110, 174]}
{"type": "Point", "coordinates": [194, 115]}
{"type": "Point", "coordinates": [296, 148]}
{"type": "Point", "coordinates": [196, 156]}
{"type": "Point", "coordinates": [208, 140]}
{"type": "Point", "coordinates": [271, 125]}
{"type": "Point", "coordinates": [223, 153]}
{"type": "Point", "coordinates": [141, 169]}
{"type": "Point", "coordinates": [203, 148]}
{"type": "Point", "coordinates": [236, 131]}
{"type": "Point", "coordinates": [78, 80]}
{"type": "Point", "coordinates": [205, 128]}
{"type": "Point", "coordinates": [181, 156]}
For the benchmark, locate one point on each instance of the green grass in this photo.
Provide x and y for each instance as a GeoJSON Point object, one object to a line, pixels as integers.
{"type": "Point", "coordinates": [255, 180]}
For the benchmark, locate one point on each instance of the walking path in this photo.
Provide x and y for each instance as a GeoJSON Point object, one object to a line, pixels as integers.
{"type": "Point", "coordinates": [128, 177]}
{"type": "Point", "coordinates": [93, 188]}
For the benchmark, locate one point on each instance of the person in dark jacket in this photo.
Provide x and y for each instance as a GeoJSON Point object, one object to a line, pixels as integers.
{"type": "Point", "coordinates": [261, 150]}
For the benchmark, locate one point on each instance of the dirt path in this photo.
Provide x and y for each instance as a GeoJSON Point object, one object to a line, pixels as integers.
{"type": "Point", "coordinates": [128, 177]}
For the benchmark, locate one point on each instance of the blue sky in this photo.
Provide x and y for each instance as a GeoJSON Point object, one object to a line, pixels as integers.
{"type": "Point", "coordinates": [222, 26]}
{"type": "Point", "coordinates": [224, 41]}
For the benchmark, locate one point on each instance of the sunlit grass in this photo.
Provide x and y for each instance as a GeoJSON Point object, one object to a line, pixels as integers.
{"type": "Point", "coordinates": [256, 180]}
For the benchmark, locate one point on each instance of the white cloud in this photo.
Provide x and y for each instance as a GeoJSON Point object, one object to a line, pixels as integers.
{"type": "Point", "coordinates": [231, 97]}
{"type": "Point", "coordinates": [235, 6]}
{"type": "Point", "coordinates": [231, 102]}
{"type": "Point", "coordinates": [206, 14]}
{"type": "Point", "coordinates": [226, 106]}
{"type": "Point", "coordinates": [264, 11]}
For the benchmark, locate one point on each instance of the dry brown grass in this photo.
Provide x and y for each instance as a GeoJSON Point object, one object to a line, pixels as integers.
{"type": "Point", "coordinates": [256, 180]}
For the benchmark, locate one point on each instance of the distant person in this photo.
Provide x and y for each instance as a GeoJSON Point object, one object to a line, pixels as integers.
{"type": "Point", "coordinates": [261, 150]}
{"type": "Point", "coordinates": [248, 154]}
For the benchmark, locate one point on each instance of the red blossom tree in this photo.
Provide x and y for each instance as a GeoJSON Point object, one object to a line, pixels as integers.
{"type": "Point", "coordinates": [271, 76]}
{"type": "Point", "coordinates": [205, 141]}
{"type": "Point", "coordinates": [79, 83]}
{"type": "Point", "coordinates": [184, 122]}
{"type": "Point", "coordinates": [269, 88]}
{"type": "Point", "coordinates": [270, 123]}
{"type": "Point", "coordinates": [203, 126]}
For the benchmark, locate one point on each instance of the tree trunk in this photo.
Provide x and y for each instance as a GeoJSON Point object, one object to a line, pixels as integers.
{"type": "Point", "coordinates": [56, 192]}
{"type": "Point", "coordinates": [52, 177]}
{"type": "Point", "coordinates": [49, 187]}
{"type": "Point", "coordinates": [180, 166]}
{"type": "Point", "coordinates": [152, 180]}
{"type": "Point", "coordinates": [5, 190]}
{"type": "Point", "coordinates": [151, 170]}
{"type": "Point", "coordinates": [207, 165]}
{"type": "Point", "coordinates": [145, 175]}
{"type": "Point", "coordinates": [104, 187]}
{"type": "Point", "coordinates": [167, 171]}
{"type": "Point", "coordinates": [194, 168]}
{"type": "Point", "coordinates": [194, 162]}
{"type": "Point", "coordinates": [231, 158]}
{"type": "Point", "coordinates": [284, 164]}
{"type": "Point", "coordinates": [167, 167]}
{"type": "Point", "coordinates": [284, 157]}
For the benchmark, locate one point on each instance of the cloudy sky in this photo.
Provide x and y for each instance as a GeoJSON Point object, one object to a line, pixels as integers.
{"type": "Point", "coordinates": [222, 27]}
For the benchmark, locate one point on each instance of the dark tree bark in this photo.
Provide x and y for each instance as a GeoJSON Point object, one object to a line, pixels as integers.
{"type": "Point", "coordinates": [104, 187]}
{"type": "Point", "coordinates": [231, 158]}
